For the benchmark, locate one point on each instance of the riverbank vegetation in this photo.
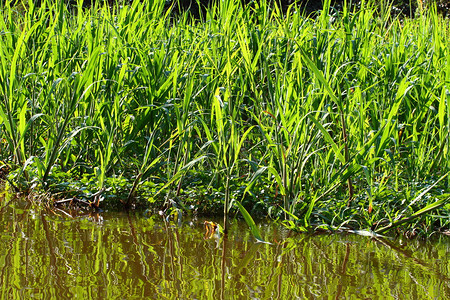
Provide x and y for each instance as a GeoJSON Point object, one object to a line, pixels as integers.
{"type": "Point", "coordinates": [339, 119]}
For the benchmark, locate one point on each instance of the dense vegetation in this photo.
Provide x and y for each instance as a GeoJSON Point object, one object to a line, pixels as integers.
{"type": "Point", "coordinates": [332, 121]}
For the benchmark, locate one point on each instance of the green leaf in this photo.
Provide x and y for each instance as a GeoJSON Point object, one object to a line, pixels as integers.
{"type": "Point", "coordinates": [329, 139]}
{"type": "Point", "coordinates": [251, 223]}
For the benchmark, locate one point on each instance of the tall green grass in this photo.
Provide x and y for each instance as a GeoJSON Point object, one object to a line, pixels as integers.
{"type": "Point", "coordinates": [338, 120]}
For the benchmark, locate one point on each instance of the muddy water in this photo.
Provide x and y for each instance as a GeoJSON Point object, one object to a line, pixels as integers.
{"type": "Point", "coordinates": [48, 254]}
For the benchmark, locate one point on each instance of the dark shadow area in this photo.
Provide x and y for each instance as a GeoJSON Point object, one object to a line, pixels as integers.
{"type": "Point", "coordinates": [402, 8]}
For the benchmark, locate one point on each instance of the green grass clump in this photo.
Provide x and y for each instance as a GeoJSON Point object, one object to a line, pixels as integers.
{"type": "Point", "coordinates": [339, 121]}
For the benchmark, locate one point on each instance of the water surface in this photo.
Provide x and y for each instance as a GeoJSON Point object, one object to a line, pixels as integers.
{"type": "Point", "coordinates": [50, 254]}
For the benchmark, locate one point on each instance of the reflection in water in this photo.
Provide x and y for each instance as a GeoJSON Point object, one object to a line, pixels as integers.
{"type": "Point", "coordinates": [57, 254]}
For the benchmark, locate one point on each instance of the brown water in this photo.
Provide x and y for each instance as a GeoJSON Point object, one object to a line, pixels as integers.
{"type": "Point", "coordinates": [47, 254]}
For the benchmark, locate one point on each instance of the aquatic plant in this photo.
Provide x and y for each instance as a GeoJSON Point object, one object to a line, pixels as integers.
{"type": "Point", "coordinates": [337, 120]}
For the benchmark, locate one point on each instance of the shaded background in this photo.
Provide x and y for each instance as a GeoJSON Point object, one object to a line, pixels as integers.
{"type": "Point", "coordinates": [405, 8]}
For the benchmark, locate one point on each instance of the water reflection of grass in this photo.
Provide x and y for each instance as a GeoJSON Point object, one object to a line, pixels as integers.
{"type": "Point", "coordinates": [56, 256]}
{"type": "Point", "coordinates": [129, 254]}
{"type": "Point", "coordinates": [332, 122]}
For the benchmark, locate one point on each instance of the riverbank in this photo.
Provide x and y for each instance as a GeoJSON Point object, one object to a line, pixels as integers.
{"type": "Point", "coordinates": [339, 121]}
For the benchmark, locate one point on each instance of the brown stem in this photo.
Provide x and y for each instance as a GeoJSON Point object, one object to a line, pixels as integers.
{"type": "Point", "coordinates": [225, 206]}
